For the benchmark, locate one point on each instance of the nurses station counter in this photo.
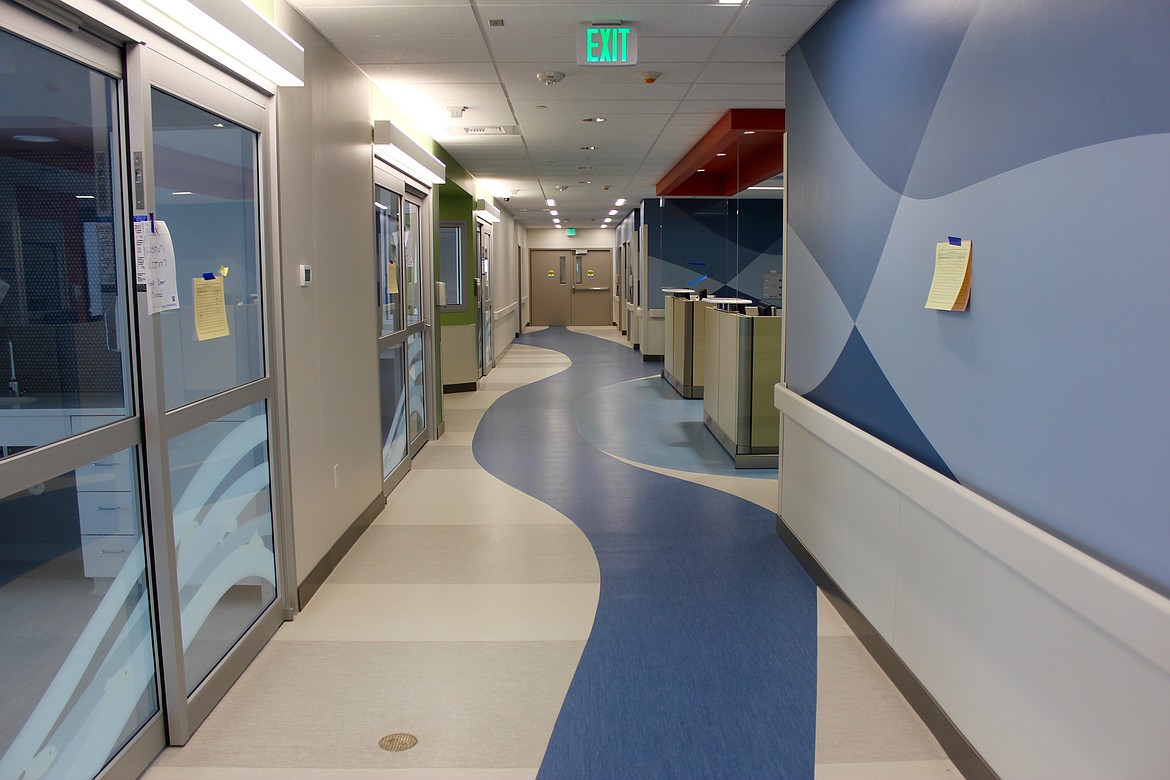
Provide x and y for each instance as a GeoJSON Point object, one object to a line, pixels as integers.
{"type": "Point", "coordinates": [742, 365]}
{"type": "Point", "coordinates": [683, 360]}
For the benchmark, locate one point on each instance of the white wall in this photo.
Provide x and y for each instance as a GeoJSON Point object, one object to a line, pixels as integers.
{"type": "Point", "coordinates": [507, 234]}
{"type": "Point", "coordinates": [586, 238]}
{"type": "Point", "coordinates": [326, 192]}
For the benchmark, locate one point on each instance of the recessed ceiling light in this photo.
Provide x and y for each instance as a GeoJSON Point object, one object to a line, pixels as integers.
{"type": "Point", "coordinates": [84, 197]}
{"type": "Point", "coordinates": [593, 119]}
{"type": "Point", "coordinates": [730, 2]}
{"type": "Point", "coordinates": [620, 202]}
{"type": "Point", "coordinates": [749, 132]}
{"type": "Point", "coordinates": [589, 148]}
{"type": "Point", "coordinates": [35, 139]}
{"type": "Point", "coordinates": [700, 170]}
{"type": "Point", "coordinates": [554, 212]}
{"type": "Point", "coordinates": [607, 220]}
{"type": "Point", "coordinates": [218, 124]}
{"type": "Point", "coordinates": [550, 202]}
{"type": "Point", "coordinates": [188, 192]}
{"type": "Point", "coordinates": [584, 182]}
{"type": "Point", "coordinates": [612, 212]}
{"type": "Point", "coordinates": [721, 154]}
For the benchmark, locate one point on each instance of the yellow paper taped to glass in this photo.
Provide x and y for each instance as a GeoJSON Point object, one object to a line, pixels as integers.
{"type": "Point", "coordinates": [950, 289]}
{"type": "Point", "coordinates": [210, 312]}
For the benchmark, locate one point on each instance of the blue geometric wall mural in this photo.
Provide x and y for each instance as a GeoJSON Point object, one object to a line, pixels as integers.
{"type": "Point", "coordinates": [858, 392]}
{"type": "Point", "coordinates": [911, 121]}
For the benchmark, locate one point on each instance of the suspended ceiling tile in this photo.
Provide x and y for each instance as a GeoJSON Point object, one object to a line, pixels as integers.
{"type": "Point", "coordinates": [395, 22]}
{"type": "Point", "coordinates": [539, 51]}
{"type": "Point", "coordinates": [752, 49]}
{"type": "Point", "coordinates": [715, 105]}
{"type": "Point", "coordinates": [634, 91]}
{"type": "Point", "coordinates": [753, 93]}
{"type": "Point", "coordinates": [681, 20]}
{"type": "Point", "coordinates": [661, 50]}
{"type": "Point", "coordinates": [434, 73]}
{"type": "Point", "coordinates": [305, 5]}
{"type": "Point", "coordinates": [742, 73]}
{"type": "Point", "coordinates": [420, 50]}
{"type": "Point", "coordinates": [780, 20]}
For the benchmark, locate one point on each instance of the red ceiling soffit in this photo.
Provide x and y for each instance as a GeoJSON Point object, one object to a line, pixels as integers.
{"type": "Point", "coordinates": [744, 148]}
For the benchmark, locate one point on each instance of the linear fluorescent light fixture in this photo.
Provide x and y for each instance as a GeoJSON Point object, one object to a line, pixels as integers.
{"type": "Point", "coordinates": [487, 211]}
{"type": "Point", "coordinates": [620, 202]}
{"type": "Point", "coordinates": [404, 153]}
{"type": "Point", "coordinates": [232, 33]}
{"type": "Point", "coordinates": [758, 187]}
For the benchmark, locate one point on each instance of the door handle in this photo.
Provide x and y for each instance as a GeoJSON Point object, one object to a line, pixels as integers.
{"type": "Point", "coordinates": [590, 289]}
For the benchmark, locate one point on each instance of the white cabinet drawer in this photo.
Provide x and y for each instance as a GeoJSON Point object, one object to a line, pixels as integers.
{"type": "Point", "coordinates": [108, 512]}
{"type": "Point", "coordinates": [113, 472]}
{"type": "Point", "coordinates": [103, 556]}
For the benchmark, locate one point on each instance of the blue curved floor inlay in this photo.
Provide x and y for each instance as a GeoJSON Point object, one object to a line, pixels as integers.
{"type": "Point", "coordinates": [702, 658]}
{"type": "Point", "coordinates": [646, 421]}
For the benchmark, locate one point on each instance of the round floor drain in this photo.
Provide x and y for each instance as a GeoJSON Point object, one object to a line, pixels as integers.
{"type": "Point", "coordinates": [398, 742]}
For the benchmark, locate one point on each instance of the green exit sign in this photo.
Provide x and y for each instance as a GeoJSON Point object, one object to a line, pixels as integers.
{"type": "Point", "coordinates": [570, 231]}
{"type": "Point", "coordinates": [607, 44]}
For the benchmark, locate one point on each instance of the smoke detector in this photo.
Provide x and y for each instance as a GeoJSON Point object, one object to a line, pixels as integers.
{"type": "Point", "coordinates": [550, 77]}
{"type": "Point", "coordinates": [650, 76]}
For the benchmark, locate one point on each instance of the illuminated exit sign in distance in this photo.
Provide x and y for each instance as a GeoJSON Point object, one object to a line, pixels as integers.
{"type": "Point", "coordinates": [607, 44]}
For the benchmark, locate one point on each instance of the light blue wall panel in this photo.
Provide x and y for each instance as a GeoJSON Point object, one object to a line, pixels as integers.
{"type": "Point", "coordinates": [1047, 142]}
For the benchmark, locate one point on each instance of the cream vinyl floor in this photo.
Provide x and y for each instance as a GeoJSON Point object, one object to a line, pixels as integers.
{"type": "Point", "coordinates": [459, 617]}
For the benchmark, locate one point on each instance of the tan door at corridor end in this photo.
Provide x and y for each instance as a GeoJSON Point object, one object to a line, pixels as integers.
{"type": "Point", "coordinates": [551, 286]}
{"type": "Point", "coordinates": [592, 278]}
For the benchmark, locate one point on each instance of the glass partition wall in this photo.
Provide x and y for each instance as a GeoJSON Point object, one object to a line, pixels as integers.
{"type": "Point", "coordinates": [402, 272]}
{"type": "Point", "coordinates": [138, 512]}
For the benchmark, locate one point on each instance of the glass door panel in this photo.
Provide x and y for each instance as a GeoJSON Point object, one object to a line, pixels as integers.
{"type": "Point", "coordinates": [78, 679]}
{"type": "Point", "coordinates": [223, 532]}
{"type": "Point", "coordinates": [416, 384]}
{"type": "Point", "coordinates": [62, 304]}
{"type": "Point", "coordinates": [388, 236]}
{"type": "Point", "coordinates": [79, 669]}
{"type": "Point", "coordinates": [412, 251]}
{"type": "Point", "coordinates": [205, 174]}
{"type": "Point", "coordinates": [394, 434]}
{"type": "Point", "coordinates": [202, 323]}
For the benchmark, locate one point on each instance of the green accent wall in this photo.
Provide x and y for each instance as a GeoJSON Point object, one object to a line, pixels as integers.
{"type": "Point", "coordinates": [457, 205]}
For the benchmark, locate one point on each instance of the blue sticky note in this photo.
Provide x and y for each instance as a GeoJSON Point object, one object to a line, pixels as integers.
{"type": "Point", "coordinates": [209, 277]}
{"type": "Point", "coordinates": [955, 241]}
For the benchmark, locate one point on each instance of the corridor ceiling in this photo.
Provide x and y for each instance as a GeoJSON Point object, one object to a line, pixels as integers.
{"type": "Point", "coordinates": [484, 56]}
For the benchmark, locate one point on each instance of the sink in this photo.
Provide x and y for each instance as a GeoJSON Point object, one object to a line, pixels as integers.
{"type": "Point", "coordinates": [16, 400]}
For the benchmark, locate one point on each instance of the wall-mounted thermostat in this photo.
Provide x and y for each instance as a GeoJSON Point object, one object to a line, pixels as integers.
{"type": "Point", "coordinates": [306, 275]}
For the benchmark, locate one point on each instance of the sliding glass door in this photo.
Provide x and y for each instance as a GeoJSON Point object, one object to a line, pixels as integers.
{"type": "Point", "coordinates": [138, 421]}
{"type": "Point", "coordinates": [78, 665]}
{"type": "Point", "coordinates": [208, 390]}
{"type": "Point", "coordinates": [401, 263]}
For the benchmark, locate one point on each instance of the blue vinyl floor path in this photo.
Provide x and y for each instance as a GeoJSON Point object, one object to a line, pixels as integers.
{"type": "Point", "coordinates": [702, 658]}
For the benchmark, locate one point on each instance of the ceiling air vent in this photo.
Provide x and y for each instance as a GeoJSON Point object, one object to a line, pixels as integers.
{"type": "Point", "coordinates": [490, 130]}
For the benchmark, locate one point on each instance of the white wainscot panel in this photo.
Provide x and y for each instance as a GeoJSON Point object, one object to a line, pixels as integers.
{"type": "Point", "coordinates": [847, 519]}
{"type": "Point", "coordinates": [1052, 664]}
{"type": "Point", "coordinates": [1040, 690]}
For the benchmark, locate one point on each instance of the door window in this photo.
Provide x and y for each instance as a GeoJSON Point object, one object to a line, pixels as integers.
{"type": "Point", "coordinates": [63, 364]}
{"type": "Point", "coordinates": [205, 173]}
{"type": "Point", "coordinates": [388, 236]}
{"type": "Point", "coordinates": [79, 674]}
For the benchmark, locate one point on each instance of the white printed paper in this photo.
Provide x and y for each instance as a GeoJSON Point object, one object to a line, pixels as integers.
{"type": "Point", "coordinates": [162, 291]}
